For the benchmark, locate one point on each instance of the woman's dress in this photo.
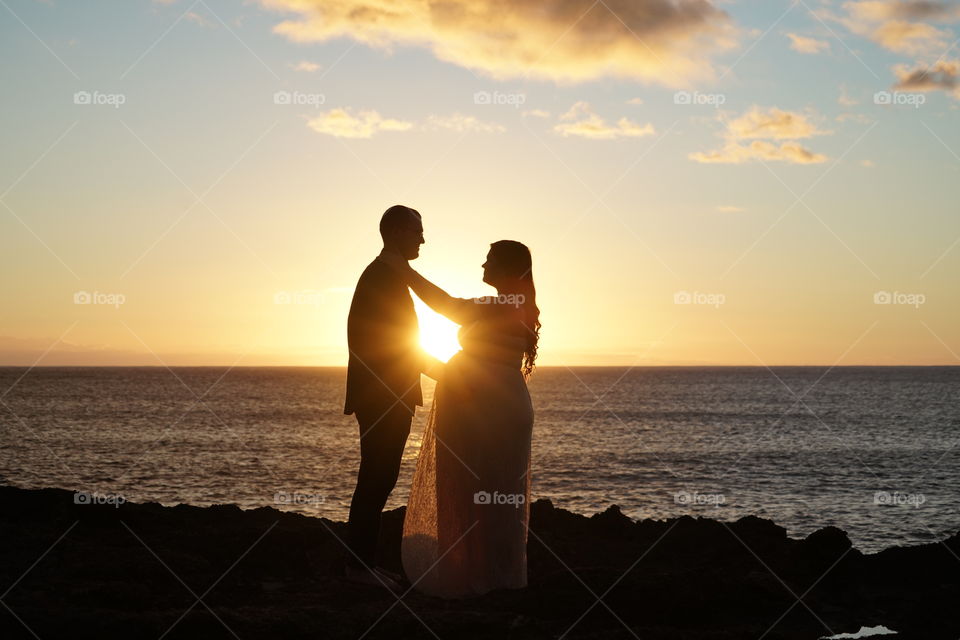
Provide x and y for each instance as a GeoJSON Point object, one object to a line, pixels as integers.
{"type": "Point", "coordinates": [465, 530]}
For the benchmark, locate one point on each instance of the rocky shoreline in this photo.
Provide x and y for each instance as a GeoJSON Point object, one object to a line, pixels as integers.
{"type": "Point", "coordinates": [149, 571]}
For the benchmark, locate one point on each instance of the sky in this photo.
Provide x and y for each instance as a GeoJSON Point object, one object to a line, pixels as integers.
{"type": "Point", "coordinates": [700, 183]}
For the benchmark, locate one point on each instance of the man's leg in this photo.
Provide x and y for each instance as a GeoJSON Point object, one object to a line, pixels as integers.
{"type": "Point", "coordinates": [382, 439]}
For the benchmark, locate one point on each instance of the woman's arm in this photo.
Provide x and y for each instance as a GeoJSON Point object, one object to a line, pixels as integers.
{"type": "Point", "coordinates": [432, 367]}
{"type": "Point", "coordinates": [459, 310]}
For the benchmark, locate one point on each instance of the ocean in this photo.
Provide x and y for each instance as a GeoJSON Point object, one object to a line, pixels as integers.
{"type": "Point", "coordinates": [872, 450]}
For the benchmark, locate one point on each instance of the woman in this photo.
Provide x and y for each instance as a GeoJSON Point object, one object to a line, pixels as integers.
{"type": "Point", "coordinates": [465, 531]}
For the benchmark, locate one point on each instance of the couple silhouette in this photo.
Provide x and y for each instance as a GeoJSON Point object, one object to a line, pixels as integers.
{"type": "Point", "coordinates": [465, 528]}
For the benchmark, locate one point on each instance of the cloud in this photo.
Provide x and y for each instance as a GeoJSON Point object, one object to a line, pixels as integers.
{"type": "Point", "coordinates": [459, 122]}
{"type": "Point", "coordinates": [902, 26]}
{"type": "Point", "coordinates": [536, 113]}
{"type": "Point", "coordinates": [635, 101]}
{"type": "Point", "coordinates": [729, 208]}
{"type": "Point", "coordinates": [772, 123]}
{"type": "Point", "coordinates": [341, 123]}
{"type": "Point", "coordinates": [581, 121]}
{"type": "Point", "coordinates": [910, 37]}
{"type": "Point", "coordinates": [734, 153]}
{"type": "Point", "coordinates": [306, 66]}
{"type": "Point", "coordinates": [902, 10]}
{"type": "Point", "coordinates": [854, 117]}
{"type": "Point", "coordinates": [942, 76]}
{"type": "Point", "coordinates": [803, 44]}
{"type": "Point", "coordinates": [845, 99]}
{"type": "Point", "coordinates": [761, 126]}
{"type": "Point", "coordinates": [196, 18]}
{"type": "Point", "coordinates": [670, 42]}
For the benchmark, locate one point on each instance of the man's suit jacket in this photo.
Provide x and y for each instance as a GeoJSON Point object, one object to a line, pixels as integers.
{"type": "Point", "coordinates": [383, 335]}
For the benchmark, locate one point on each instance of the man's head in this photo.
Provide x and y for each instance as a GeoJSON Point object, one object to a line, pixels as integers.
{"type": "Point", "coordinates": [402, 231]}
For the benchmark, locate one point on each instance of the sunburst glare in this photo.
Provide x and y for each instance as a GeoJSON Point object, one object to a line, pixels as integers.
{"type": "Point", "coordinates": [438, 336]}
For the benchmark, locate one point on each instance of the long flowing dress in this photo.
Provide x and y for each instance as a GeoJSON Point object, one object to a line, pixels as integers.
{"type": "Point", "coordinates": [465, 530]}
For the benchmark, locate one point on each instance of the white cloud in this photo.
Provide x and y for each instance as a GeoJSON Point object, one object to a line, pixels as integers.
{"type": "Point", "coordinates": [773, 123]}
{"type": "Point", "coordinates": [803, 44]}
{"type": "Point", "coordinates": [196, 18]}
{"type": "Point", "coordinates": [845, 100]}
{"type": "Point", "coordinates": [760, 126]}
{"type": "Point", "coordinates": [734, 153]}
{"type": "Point", "coordinates": [581, 121]}
{"type": "Point", "coordinates": [854, 117]}
{"type": "Point", "coordinates": [344, 123]}
{"type": "Point", "coordinates": [341, 123]}
{"type": "Point", "coordinates": [306, 66]}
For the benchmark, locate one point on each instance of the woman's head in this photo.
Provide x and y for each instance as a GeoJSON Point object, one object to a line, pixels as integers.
{"type": "Point", "coordinates": [508, 264]}
{"type": "Point", "coordinates": [509, 268]}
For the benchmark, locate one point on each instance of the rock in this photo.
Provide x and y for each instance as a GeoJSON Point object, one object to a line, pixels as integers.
{"type": "Point", "coordinates": [829, 541]}
{"type": "Point", "coordinates": [132, 571]}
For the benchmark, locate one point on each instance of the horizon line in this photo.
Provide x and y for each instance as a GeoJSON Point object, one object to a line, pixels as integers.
{"type": "Point", "coordinates": [548, 366]}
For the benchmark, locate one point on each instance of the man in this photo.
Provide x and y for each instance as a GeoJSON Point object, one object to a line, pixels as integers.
{"type": "Point", "coordinates": [383, 386]}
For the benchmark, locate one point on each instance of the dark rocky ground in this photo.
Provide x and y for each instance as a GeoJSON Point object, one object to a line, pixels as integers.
{"type": "Point", "coordinates": [138, 571]}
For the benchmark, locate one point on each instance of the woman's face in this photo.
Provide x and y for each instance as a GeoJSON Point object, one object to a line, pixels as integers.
{"type": "Point", "coordinates": [490, 270]}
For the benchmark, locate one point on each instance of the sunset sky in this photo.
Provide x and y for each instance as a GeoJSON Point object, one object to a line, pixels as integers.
{"type": "Point", "coordinates": [727, 182]}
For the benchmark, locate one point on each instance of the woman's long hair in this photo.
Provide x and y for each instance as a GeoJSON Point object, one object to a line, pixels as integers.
{"type": "Point", "coordinates": [514, 257]}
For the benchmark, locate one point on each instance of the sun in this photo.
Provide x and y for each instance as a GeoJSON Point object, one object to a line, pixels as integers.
{"type": "Point", "coordinates": [438, 336]}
